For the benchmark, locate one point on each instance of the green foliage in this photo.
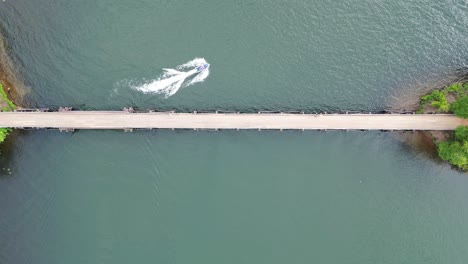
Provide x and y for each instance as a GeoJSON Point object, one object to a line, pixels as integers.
{"type": "Point", "coordinates": [461, 133]}
{"type": "Point", "coordinates": [442, 105]}
{"type": "Point", "coordinates": [460, 107]}
{"type": "Point", "coordinates": [437, 99]}
{"type": "Point", "coordinates": [3, 133]}
{"type": "Point", "coordinates": [455, 150]}
{"type": "Point", "coordinates": [455, 88]}
{"type": "Point", "coordinates": [433, 96]}
{"type": "Point", "coordinates": [4, 97]}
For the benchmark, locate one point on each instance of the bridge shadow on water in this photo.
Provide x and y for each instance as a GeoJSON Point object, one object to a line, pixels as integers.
{"type": "Point", "coordinates": [419, 142]}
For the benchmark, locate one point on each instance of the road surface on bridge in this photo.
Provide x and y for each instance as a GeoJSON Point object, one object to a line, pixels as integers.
{"type": "Point", "coordinates": [166, 120]}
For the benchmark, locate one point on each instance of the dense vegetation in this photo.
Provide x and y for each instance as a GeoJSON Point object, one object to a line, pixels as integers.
{"type": "Point", "coordinates": [460, 107]}
{"type": "Point", "coordinates": [455, 150]}
{"type": "Point", "coordinates": [5, 105]}
{"type": "Point", "coordinates": [3, 133]}
{"type": "Point", "coordinates": [451, 99]}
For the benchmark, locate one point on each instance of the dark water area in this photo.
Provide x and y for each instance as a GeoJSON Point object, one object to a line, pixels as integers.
{"type": "Point", "coordinates": [231, 196]}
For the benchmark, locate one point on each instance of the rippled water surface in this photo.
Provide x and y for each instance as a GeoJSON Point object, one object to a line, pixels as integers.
{"type": "Point", "coordinates": [231, 197]}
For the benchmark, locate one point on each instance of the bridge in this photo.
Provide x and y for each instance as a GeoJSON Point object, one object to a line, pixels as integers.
{"type": "Point", "coordinates": [127, 120]}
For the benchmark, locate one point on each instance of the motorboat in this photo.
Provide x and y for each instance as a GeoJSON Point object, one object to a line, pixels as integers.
{"type": "Point", "coordinates": [203, 67]}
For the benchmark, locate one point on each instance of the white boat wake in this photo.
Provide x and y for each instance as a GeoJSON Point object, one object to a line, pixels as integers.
{"type": "Point", "coordinates": [172, 80]}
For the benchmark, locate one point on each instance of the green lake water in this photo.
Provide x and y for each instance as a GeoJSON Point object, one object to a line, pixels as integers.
{"type": "Point", "coordinates": [231, 196]}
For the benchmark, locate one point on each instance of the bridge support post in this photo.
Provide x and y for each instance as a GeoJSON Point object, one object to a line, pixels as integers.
{"type": "Point", "coordinates": [64, 109]}
{"type": "Point", "coordinates": [66, 129]}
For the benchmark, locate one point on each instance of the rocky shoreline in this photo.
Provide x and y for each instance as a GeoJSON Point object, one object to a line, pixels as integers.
{"type": "Point", "coordinates": [11, 88]}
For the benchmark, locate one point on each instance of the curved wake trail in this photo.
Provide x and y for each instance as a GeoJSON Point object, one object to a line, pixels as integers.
{"type": "Point", "coordinates": [173, 79]}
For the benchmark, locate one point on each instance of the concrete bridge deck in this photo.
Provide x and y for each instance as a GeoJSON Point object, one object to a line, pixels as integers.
{"type": "Point", "coordinates": [164, 120]}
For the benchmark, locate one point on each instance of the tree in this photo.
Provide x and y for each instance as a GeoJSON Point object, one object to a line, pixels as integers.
{"type": "Point", "coordinates": [460, 107]}
{"type": "Point", "coordinates": [461, 133]}
{"type": "Point", "coordinates": [3, 133]}
{"type": "Point", "coordinates": [454, 152]}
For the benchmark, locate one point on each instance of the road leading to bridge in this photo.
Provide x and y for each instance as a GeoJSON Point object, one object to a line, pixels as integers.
{"type": "Point", "coordinates": [124, 120]}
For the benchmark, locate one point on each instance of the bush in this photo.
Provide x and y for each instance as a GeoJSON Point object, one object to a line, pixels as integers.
{"type": "Point", "coordinates": [455, 152]}
{"type": "Point", "coordinates": [3, 133]}
{"type": "Point", "coordinates": [461, 133]}
{"type": "Point", "coordinates": [455, 88]}
{"type": "Point", "coordinates": [442, 105]}
{"type": "Point", "coordinates": [436, 99]}
{"type": "Point", "coordinates": [460, 107]}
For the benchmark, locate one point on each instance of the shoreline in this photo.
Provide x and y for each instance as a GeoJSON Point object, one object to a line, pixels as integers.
{"type": "Point", "coordinates": [11, 88]}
